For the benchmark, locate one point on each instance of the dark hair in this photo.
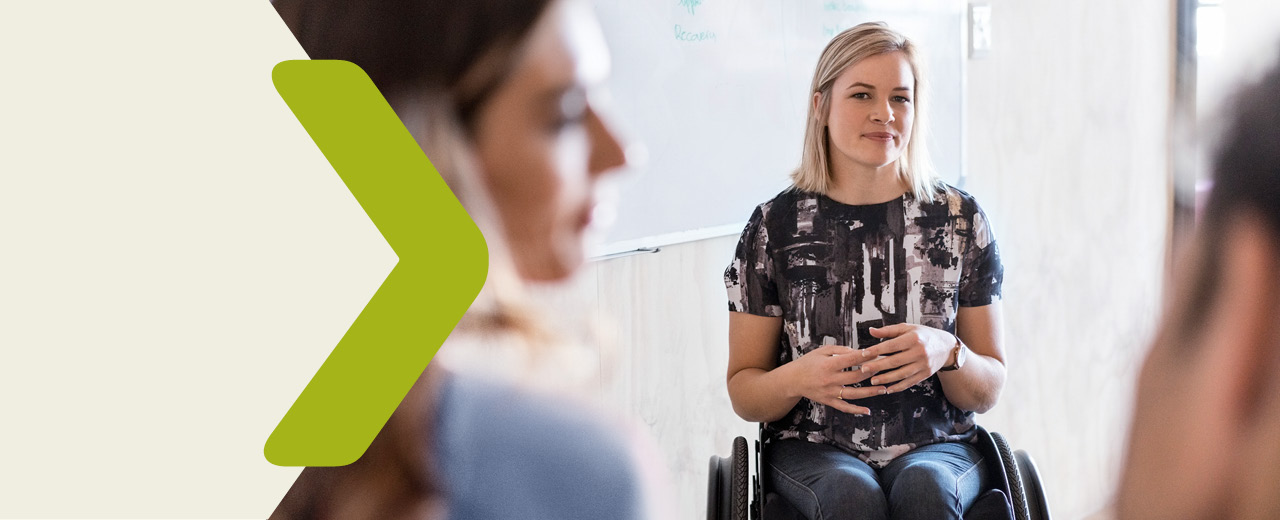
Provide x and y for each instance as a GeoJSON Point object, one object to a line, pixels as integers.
{"type": "Point", "coordinates": [1246, 168]}
{"type": "Point", "coordinates": [463, 48]}
{"type": "Point", "coordinates": [1246, 180]}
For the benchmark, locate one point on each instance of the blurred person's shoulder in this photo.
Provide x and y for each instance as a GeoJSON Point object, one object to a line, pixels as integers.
{"type": "Point", "coordinates": [507, 451]}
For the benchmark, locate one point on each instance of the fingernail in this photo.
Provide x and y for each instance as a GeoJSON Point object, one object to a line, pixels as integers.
{"type": "Point", "coordinates": [884, 391]}
{"type": "Point", "coordinates": [874, 382]}
{"type": "Point", "coordinates": [864, 370]}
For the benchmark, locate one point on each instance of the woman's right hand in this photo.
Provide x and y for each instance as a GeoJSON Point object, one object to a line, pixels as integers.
{"type": "Point", "coordinates": [823, 376]}
{"type": "Point", "coordinates": [763, 391]}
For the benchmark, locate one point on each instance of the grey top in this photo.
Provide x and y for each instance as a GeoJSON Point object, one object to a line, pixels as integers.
{"type": "Point", "coordinates": [508, 453]}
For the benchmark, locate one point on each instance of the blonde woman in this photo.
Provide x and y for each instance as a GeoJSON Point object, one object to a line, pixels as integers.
{"type": "Point", "coordinates": [865, 304]}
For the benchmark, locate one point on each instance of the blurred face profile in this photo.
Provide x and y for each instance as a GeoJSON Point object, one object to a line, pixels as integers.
{"type": "Point", "coordinates": [1205, 440]}
{"type": "Point", "coordinates": [872, 111]}
{"type": "Point", "coordinates": [1173, 453]}
{"type": "Point", "coordinates": [542, 146]}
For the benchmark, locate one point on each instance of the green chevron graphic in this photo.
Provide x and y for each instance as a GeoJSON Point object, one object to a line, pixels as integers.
{"type": "Point", "coordinates": [442, 264]}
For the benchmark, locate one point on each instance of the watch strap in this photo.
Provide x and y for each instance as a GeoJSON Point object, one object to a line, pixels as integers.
{"type": "Point", "coordinates": [955, 355]}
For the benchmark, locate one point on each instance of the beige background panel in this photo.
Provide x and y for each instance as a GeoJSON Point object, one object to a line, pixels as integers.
{"type": "Point", "coordinates": [178, 258]}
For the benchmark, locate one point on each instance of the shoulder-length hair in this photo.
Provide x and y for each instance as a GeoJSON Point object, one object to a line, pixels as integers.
{"type": "Point", "coordinates": [855, 44]}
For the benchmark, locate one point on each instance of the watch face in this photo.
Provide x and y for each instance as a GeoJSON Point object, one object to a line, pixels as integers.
{"type": "Point", "coordinates": [961, 351]}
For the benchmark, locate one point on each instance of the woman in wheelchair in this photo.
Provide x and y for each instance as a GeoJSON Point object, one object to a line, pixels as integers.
{"type": "Point", "coordinates": [865, 323]}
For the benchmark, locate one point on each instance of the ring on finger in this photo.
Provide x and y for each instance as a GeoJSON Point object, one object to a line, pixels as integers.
{"type": "Point", "coordinates": [841, 396]}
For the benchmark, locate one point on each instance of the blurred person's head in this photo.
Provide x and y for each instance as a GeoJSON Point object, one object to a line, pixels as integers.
{"type": "Point", "coordinates": [1205, 441]}
{"type": "Point", "coordinates": [499, 95]}
{"type": "Point", "coordinates": [854, 94]}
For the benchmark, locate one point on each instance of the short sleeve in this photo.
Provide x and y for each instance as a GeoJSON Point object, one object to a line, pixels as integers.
{"type": "Point", "coordinates": [982, 274]}
{"type": "Point", "coordinates": [750, 278]}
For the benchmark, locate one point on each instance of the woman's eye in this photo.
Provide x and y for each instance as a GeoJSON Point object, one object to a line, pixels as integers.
{"type": "Point", "coordinates": [861, 95]}
{"type": "Point", "coordinates": [572, 110]}
{"type": "Point", "coordinates": [563, 123]}
{"type": "Point", "coordinates": [901, 99]}
{"type": "Point", "coordinates": [564, 120]}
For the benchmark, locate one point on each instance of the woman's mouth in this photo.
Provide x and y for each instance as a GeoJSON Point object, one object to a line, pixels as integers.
{"type": "Point", "coordinates": [879, 136]}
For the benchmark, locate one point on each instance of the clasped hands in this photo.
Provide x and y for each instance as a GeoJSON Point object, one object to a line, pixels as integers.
{"type": "Point", "coordinates": [909, 354]}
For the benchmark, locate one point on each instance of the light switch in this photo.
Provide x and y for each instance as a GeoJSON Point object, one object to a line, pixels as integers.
{"type": "Point", "coordinates": [979, 30]}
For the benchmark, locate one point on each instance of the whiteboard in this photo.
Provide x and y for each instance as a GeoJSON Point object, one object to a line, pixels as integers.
{"type": "Point", "coordinates": [716, 92]}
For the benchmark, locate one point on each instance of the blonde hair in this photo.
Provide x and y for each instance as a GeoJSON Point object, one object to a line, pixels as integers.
{"type": "Point", "coordinates": [855, 44]}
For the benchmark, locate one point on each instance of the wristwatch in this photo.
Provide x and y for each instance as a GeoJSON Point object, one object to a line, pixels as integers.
{"type": "Point", "coordinates": [959, 353]}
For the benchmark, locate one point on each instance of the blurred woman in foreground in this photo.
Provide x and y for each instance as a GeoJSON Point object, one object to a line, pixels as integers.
{"type": "Point", "coordinates": [501, 96]}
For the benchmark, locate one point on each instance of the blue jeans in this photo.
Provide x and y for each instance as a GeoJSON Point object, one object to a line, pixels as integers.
{"type": "Point", "coordinates": [933, 482]}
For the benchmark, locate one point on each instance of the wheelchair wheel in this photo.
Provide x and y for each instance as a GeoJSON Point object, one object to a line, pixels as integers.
{"type": "Point", "coordinates": [740, 501]}
{"type": "Point", "coordinates": [727, 484]}
{"type": "Point", "coordinates": [1038, 505]}
{"type": "Point", "coordinates": [1021, 509]}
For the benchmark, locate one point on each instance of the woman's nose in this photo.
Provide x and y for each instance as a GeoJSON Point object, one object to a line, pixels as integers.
{"type": "Point", "coordinates": [882, 115]}
{"type": "Point", "coordinates": [606, 152]}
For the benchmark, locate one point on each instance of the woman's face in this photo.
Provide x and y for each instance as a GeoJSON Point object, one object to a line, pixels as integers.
{"type": "Point", "coordinates": [542, 146]}
{"type": "Point", "coordinates": [871, 113]}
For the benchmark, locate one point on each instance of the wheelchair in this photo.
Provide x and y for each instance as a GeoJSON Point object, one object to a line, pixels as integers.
{"type": "Point", "coordinates": [1014, 493]}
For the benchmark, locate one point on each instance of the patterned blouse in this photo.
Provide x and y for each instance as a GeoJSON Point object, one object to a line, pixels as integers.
{"type": "Point", "coordinates": [831, 271]}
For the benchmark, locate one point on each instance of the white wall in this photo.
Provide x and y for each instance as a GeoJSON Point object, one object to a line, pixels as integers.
{"type": "Point", "coordinates": [1250, 42]}
{"type": "Point", "coordinates": [1067, 130]}
{"type": "Point", "coordinates": [663, 322]}
{"type": "Point", "coordinates": [1067, 126]}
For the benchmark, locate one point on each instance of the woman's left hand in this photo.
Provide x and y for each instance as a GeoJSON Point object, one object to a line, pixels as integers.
{"type": "Point", "coordinates": [909, 354]}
